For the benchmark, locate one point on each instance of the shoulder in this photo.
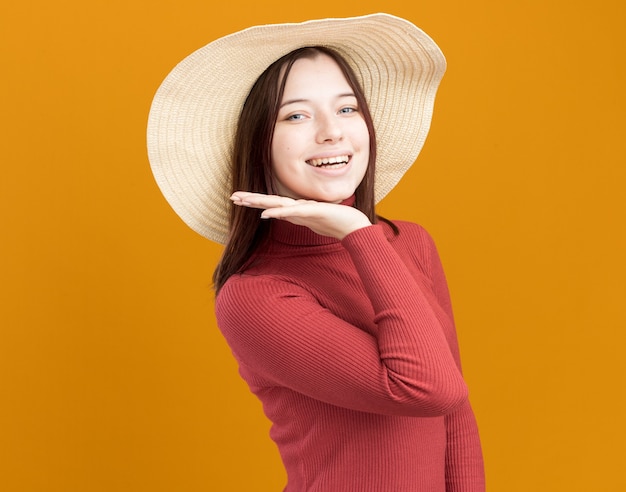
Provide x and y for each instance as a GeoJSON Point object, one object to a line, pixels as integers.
{"type": "Point", "coordinates": [409, 232]}
{"type": "Point", "coordinates": [413, 243]}
{"type": "Point", "coordinates": [253, 311]}
{"type": "Point", "coordinates": [411, 227]}
{"type": "Point", "coordinates": [251, 286]}
{"type": "Point", "coordinates": [244, 292]}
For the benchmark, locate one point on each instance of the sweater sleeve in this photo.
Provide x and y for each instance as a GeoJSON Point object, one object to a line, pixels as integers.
{"type": "Point", "coordinates": [406, 368]}
{"type": "Point", "coordinates": [464, 460]}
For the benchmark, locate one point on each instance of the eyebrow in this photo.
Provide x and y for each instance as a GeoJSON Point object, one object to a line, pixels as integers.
{"type": "Point", "coordinates": [293, 101]}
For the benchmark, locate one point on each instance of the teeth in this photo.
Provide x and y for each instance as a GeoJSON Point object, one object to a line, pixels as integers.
{"type": "Point", "coordinates": [329, 160]}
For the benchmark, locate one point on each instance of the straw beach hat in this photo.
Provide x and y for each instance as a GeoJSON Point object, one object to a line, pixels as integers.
{"type": "Point", "coordinates": [194, 113]}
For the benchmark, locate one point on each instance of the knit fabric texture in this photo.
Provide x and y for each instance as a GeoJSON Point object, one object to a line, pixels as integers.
{"type": "Point", "coordinates": [351, 347]}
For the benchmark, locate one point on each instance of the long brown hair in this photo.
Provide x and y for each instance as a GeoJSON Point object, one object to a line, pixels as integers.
{"type": "Point", "coordinates": [252, 170]}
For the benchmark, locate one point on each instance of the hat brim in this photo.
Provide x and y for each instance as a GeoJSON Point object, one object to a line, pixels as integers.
{"type": "Point", "coordinates": [194, 113]}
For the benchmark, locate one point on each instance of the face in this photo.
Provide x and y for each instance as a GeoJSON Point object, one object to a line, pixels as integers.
{"type": "Point", "coordinates": [320, 149]}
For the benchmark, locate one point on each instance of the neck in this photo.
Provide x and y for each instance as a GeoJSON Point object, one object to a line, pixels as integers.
{"type": "Point", "coordinates": [282, 231]}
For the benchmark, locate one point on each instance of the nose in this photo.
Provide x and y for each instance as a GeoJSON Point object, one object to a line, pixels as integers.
{"type": "Point", "coordinates": [328, 129]}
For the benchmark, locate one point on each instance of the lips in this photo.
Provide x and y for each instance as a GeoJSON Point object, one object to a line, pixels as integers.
{"type": "Point", "coordinates": [329, 161]}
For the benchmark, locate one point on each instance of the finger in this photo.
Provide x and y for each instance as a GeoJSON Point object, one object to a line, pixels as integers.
{"type": "Point", "coordinates": [259, 200]}
{"type": "Point", "coordinates": [295, 210]}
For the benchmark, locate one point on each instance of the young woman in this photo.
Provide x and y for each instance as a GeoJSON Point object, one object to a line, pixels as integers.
{"type": "Point", "coordinates": [340, 321]}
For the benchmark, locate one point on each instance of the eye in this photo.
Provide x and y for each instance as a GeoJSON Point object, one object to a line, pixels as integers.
{"type": "Point", "coordinates": [348, 110]}
{"type": "Point", "coordinates": [295, 117]}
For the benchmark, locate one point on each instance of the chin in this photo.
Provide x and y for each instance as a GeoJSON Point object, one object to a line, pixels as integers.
{"type": "Point", "coordinates": [336, 197]}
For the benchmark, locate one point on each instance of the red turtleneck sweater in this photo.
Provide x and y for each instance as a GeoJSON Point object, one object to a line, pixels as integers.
{"type": "Point", "coordinates": [351, 347]}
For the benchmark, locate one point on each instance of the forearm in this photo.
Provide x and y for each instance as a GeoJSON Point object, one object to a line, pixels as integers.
{"type": "Point", "coordinates": [412, 343]}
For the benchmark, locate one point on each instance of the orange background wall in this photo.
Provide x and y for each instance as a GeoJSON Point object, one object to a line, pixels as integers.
{"type": "Point", "coordinates": [113, 376]}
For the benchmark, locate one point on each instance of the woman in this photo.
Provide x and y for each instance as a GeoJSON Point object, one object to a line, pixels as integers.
{"type": "Point", "coordinates": [340, 322]}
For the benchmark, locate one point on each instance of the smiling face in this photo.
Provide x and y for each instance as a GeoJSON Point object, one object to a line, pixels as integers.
{"type": "Point", "coordinates": [320, 148]}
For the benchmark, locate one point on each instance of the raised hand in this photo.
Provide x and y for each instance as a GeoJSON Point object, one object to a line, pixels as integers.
{"type": "Point", "coordinates": [326, 219]}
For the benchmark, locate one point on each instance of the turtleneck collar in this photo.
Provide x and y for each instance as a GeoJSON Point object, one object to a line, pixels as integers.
{"type": "Point", "coordinates": [282, 231]}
